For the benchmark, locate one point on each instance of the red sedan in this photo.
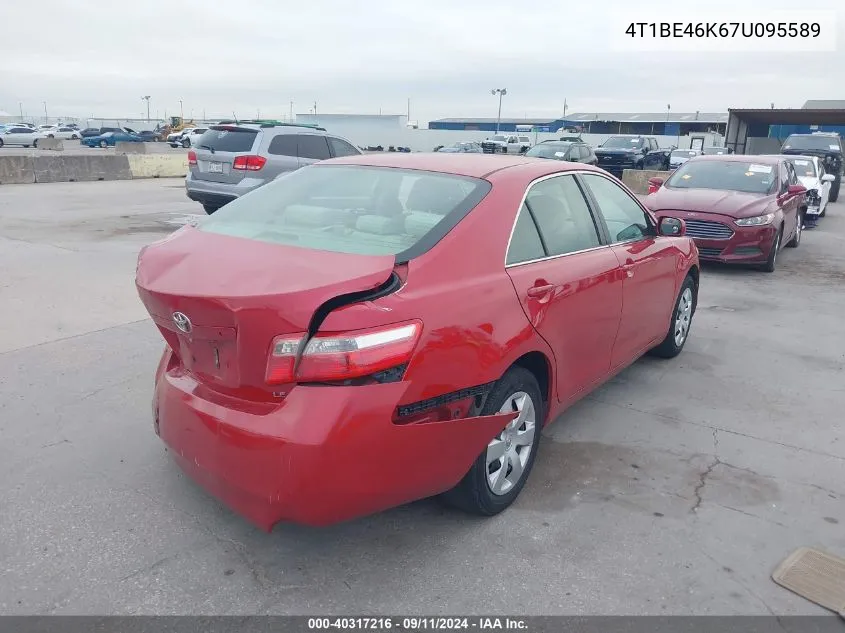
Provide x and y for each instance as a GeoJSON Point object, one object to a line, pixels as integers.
{"type": "Point", "coordinates": [373, 330]}
{"type": "Point", "coordinates": [739, 209]}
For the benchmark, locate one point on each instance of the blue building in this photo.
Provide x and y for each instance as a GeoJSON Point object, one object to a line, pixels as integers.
{"type": "Point", "coordinates": [660, 123]}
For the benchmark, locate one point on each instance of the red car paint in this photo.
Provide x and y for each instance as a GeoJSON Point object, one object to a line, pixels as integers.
{"type": "Point", "coordinates": [318, 454]}
{"type": "Point", "coordinates": [751, 244]}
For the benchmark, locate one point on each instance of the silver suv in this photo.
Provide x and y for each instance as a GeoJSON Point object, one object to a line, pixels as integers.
{"type": "Point", "coordinates": [232, 159]}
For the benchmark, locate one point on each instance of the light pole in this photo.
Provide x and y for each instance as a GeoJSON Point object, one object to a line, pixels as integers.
{"type": "Point", "coordinates": [45, 112]}
{"type": "Point", "coordinates": [501, 92]}
{"type": "Point", "coordinates": [291, 110]}
{"type": "Point", "coordinates": [20, 105]}
{"type": "Point", "coordinates": [147, 99]}
{"type": "Point", "coordinates": [181, 110]}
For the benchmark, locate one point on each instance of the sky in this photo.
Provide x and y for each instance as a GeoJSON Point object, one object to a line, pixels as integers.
{"type": "Point", "coordinates": [93, 58]}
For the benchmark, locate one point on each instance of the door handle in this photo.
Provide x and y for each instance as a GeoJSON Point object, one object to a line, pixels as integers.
{"type": "Point", "coordinates": [539, 291]}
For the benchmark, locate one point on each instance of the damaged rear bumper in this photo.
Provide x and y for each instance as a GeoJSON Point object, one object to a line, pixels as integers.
{"type": "Point", "coordinates": [322, 455]}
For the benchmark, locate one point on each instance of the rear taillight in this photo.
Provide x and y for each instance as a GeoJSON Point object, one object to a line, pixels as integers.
{"type": "Point", "coordinates": [341, 356]}
{"type": "Point", "coordinates": [249, 163]}
{"type": "Point", "coordinates": [192, 157]}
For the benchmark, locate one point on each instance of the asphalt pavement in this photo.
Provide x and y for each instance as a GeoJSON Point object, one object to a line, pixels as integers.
{"type": "Point", "coordinates": [674, 489]}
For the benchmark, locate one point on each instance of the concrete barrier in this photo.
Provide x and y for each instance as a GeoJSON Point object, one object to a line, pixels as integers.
{"type": "Point", "coordinates": [55, 144]}
{"type": "Point", "coordinates": [122, 147]}
{"type": "Point", "coordinates": [637, 179]}
{"type": "Point", "coordinates": [81, 168]}
{"type": "Point", "coordinates": [17, 170]}
{"type": "Point", "coordinates": [158, 165]}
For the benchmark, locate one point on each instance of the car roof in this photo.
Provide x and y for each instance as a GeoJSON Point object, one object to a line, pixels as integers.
{"type": "Point", "coordinates": [796, 156]}
{"type": "Point", "coordinates": [471, 165]}
{"type": "Point", "coordinates": [760, 159]}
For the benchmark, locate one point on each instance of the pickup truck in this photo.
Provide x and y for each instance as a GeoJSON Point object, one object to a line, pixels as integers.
{"type": "Point", "coordinates": [622, 152]}
{"type": "Point", "coordinates": [506, 144]}
{"type": "Point", "coordinates": [827, 146]}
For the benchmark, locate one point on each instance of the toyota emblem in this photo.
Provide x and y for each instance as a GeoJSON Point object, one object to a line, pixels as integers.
{"type": "Point", "coordinates": [182, 322]}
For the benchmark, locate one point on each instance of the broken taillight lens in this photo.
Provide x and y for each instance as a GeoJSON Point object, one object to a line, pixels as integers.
{"type": "Point", "coordinates": [342, 355]}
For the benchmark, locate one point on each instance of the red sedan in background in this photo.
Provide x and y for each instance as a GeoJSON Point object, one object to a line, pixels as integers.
{"type": "Point", "coordinates": [739, 209]}
{"type": "Point", "coordinates": [373, 330]}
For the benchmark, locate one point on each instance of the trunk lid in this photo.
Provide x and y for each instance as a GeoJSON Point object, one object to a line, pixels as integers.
{"type": "Point", "coordinates": [238, 294]}
{"type": "Point", "coordinates": [218, 149]}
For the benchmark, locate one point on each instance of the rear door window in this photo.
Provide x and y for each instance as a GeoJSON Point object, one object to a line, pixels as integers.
{"type": "Point", "coordinates": [313, 147]}
{"type": "Point", "coordinates": [228, 139]}
{"type": "Point", "coordinates": [283, 145]}
{"type": "Point", "coordinates": [352, 209]}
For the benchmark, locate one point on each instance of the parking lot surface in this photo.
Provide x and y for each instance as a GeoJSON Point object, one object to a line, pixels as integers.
{"type": "Point", "coordinates": [72, 147]}
{"type": "Point", "coordinates": [674, 489]}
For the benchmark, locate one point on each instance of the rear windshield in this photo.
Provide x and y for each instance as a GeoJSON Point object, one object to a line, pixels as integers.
{"type": "Point", "coordinates": [351, 209]}
{"type": "Point", "coordinates": [726, 175]}
{"type": "Point", "coordinates": [714, 150]}
{"type": "Point", "coordinates": [228, 139]}
{"type": "Point", "coordinates": [548, 150]}
{"type": "Point", "coordinates": [804, 167]}
{"type": "Point", "coordinates": [683, 153]}
{"type": "Point", "coordinates": [817, 143]}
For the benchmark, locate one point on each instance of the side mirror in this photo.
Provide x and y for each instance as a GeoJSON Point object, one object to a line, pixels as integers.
{"type": "Point", "coordinates": [828, 178]}
{"type": "Point", "coordinates": [672, 227]}
{"type": "Point", "coordinates": [795, 190]}
{"type": "Point", "coordinates": [654, 184]}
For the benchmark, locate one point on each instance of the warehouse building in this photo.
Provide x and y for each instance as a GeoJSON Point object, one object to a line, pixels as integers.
{"type": "Point", "coordinates": [659, 124]}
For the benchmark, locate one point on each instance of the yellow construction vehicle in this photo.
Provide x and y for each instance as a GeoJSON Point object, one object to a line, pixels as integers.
{"type": "Point", "coordinates": [177, 124]}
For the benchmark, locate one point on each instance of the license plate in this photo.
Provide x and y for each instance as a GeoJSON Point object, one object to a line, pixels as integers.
{"type": "Point", "coordinates": [215, 168]}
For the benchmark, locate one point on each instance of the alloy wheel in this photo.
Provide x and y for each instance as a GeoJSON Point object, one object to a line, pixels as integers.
{"type": "Point", "coordinates": [508, 452]}
{"type": "Point", "coordinates": [683, 317]}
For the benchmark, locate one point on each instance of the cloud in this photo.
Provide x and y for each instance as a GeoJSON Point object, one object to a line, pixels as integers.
{"type": "Point", "coordinates": [91, 57]}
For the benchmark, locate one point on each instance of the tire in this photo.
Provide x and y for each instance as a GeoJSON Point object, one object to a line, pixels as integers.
{"type": "Point", "coordinates": [74, 137]}
{"type": "Point", "coordinates": [681, 322]}
{"type": "Point", "coordinates": [103, 144]}
{"type": "Point", "coordinates": [834, 189]}
{"type": "Point", "coordinates": [475, 492]}
{"type": "Point", "coordinates": [186, 143]}
{"type": "Point", "coordinates": [209, 208]}
{"type": "Point", "coordinates": [771, 262]}
{"type": "Point", "coordinates": [796, 239]}
{"type": "Point", "coordinates": [1, 142]}
{"type": "Point", "coordinates": [35, 143]}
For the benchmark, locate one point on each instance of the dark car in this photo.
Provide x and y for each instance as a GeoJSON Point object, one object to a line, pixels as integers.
{"type": "Point", "coordinates": [715, 151]}
{"type": "Point", "coordinates": [460, 148]}
{"type": "Point", "coordinates": [372, 330]}
{"type": "Point", "coordinates": [622, 152]}
{"type": "Point", "coordinates": [90, 131]}
{"type": "Point", "coordinates": [738, 209]}
{"type": "Point", "coordinates": [827, 146]}
{"type": "Point", "coordinates": [574, 152]}
{"type": "Point", "coordinates": [147, 136]}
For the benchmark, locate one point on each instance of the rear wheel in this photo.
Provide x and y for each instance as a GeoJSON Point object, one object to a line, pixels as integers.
{"type": "Point", "coordinates": [681, 323]}
{"type": "Point", "coordinates": [771, 262]}
{"type": "Point", "coordinates": [210, 208]}
{"type": "Point", "coordinates": [496, 478]}
{"type": "Point", "coordinates": [35, 143]}
{"type": "Point", "coordinates": [186, 142]}
{"type": "Point", "coordinates": [1, 142]}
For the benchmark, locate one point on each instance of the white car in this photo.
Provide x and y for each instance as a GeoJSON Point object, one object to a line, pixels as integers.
{"type": "Point", "coordinates": [186, 137]}
{"type": "Point", "coordinates": [19, 135]}
{"type": "Point", "coordinates": [811, 174]}
{"type": "Point", "coordinates": [63, 133]}
{"type": "Point", "coordinates": [679, 156]}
